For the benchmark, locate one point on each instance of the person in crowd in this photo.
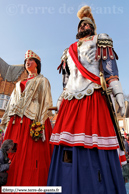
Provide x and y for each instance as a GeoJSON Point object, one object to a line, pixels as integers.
{"type": "Point", "coordinates": [28, 125]}
{"type": "Point", "coordinates": [126, 146]}
{"type": "Point", "coordinates": [1, 137]}
{"type": "Point", "coordinates": [85, 158]}
{"type": "Point", "coordinates": [6, 148]}
{"type": "Point", "coordinates": [128, 138]}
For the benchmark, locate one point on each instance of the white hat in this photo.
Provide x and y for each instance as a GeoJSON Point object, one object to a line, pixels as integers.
{"type": "Point", "coordinates": [31, 54]}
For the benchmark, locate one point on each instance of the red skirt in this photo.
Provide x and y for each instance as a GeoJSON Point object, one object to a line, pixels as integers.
{"type": "Point", "coordinates": [30, 163]}
{"type": "Point", "coordinates": [85, 122]}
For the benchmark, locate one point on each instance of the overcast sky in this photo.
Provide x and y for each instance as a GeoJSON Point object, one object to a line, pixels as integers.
{"type": "Point", "coordinates": [49, 26]}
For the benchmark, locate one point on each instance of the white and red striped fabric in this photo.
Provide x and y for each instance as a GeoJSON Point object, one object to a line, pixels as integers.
{"type": "Point", "coordinates": [86, 123]}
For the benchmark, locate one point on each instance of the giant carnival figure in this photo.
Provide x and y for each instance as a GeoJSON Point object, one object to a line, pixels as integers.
{"type": "Point", "coordinates": [29, 126]}
{"type": "Point", "coordinates": [85, 158]}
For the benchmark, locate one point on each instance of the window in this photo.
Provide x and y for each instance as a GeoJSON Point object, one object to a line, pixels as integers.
{"type": "Point", "coordinates": [4, 101]}
{"type": "Point", "coordinates": [121, 124]}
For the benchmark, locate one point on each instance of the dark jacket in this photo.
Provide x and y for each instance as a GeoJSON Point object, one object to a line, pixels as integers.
{"type": "Point", "coordinates": [3, 167]}
{"type": "Point", "coordinates": [3, 161]}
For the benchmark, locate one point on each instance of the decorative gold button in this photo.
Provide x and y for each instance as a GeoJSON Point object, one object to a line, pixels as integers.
{"type": "Point", "coordinates": [89, 91]}
{"type": "Point", "coordinates": [79, 95]}
{"type": "Point", "coordinates": [79, 43]}
{"type": "Point", "coordinates": [70, 97]}
{"type": "Point", "coordinates": [66, 95]}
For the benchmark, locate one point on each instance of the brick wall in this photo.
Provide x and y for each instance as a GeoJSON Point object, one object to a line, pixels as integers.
{"type": "Point", "coordinates": [1, 113]}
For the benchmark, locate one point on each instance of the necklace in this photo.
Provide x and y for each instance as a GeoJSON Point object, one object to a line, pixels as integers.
{"type": "Point", "coordinates": [32, 75]}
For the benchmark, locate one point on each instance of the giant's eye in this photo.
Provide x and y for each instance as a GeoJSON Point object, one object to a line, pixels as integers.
{"type": "Point", "coordinates": [85, 24]}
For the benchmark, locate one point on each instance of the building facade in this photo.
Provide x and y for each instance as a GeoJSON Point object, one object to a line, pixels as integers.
{"type": "Point", "coordinates": [123, 121]}
{"type": "Point", "coordinates": [9, 76]}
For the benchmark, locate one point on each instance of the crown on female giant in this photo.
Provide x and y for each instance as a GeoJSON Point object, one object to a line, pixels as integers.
{"type": "Point", "coordinates": [31, 54]}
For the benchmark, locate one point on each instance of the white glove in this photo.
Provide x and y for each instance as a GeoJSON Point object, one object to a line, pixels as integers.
{"type": "Point", "coordinates": [120, 101]}
{"type": "Point", "coordinates": [118, 93]}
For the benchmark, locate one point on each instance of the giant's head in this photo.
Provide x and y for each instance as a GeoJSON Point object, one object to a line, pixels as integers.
{"type": "Point", "coordinates": [33, 58]}
{"type": "Point", "coordinates": [86, 26]}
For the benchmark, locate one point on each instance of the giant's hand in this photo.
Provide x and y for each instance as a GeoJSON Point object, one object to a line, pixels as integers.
{"type": "Point", "coordinates": [120, 101]}
{"type": "Point", "coordinates": [117, 92]}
